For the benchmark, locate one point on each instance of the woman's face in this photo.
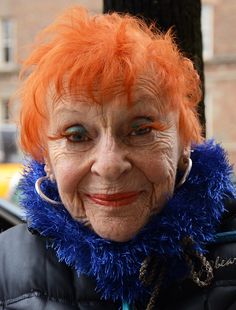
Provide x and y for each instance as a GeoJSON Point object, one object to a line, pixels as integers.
{"type": "Point", "coordinates": [110, 164]}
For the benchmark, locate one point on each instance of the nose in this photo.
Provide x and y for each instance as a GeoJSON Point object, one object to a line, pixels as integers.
{"type": "Point", "coordinates": [110, 162]}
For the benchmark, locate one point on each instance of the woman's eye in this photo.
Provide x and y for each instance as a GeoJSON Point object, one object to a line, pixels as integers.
{"type": "Point", "coordinates": [76, 134]}
{"type": "Point", "coordinates": [141, 131]}
{"type": "Point", "coordinates": [141, 126]}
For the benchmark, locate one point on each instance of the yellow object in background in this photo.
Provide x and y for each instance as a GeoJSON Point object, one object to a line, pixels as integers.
{"type": "Point", "coordinates": [9, 172]}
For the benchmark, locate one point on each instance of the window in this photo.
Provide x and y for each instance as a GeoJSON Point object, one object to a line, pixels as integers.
{"type": "Point", "coordinates": [209, 114]}
{"type": "Point", "coordinates": [8, 145]}
{"type": "Point", "coordinates": [207, 20]}
{"type": "Point", "coordinates": [6, 41]}
{"type": "Point", "coordinates": [5, 111]}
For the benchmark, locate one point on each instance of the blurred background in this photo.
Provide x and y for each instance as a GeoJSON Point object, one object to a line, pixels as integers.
{"type": "Point", "coordinates": [21, 20]}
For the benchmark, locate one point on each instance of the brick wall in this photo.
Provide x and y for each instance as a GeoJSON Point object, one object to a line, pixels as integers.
{"type": "Point", "coordinates": [224, 28]}
{"type": "Point", "coordinates": [220, 72]}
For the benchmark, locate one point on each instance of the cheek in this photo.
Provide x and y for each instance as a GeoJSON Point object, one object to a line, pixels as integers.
{"type": "Point", "coordinates": [68, 178]}
{"type": "Point", "coordinates": [164, 181]}
{"type": "Point", "coordinates": [68, 167]}
{"type": "Point", "coordinates": [158, 166]}
{"type": "Point", "coordinates": [160, 169]}
{"type": "Point", "coordinates": [67, 175]}
{"type": "Point", "coordinates": [159, 162]}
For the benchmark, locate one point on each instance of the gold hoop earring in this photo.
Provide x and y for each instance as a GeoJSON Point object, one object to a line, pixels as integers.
{"type": "Point", "coordinates": [186, 173]}
{"type": "Point", "coordinates": [41, 194]}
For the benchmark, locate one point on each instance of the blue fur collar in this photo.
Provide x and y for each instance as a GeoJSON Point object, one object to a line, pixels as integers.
{"type": "Point", "coordinates": [195, 210]}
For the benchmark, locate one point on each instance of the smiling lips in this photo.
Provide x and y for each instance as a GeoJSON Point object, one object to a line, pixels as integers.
{"type": "Point", "coordinates": [114, 200]}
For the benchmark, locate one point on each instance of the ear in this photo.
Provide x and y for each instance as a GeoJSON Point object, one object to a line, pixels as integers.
{"type": "Point", "coordinates": [183, 159]}
{"type": "Point", "coordinates": [48, 169]}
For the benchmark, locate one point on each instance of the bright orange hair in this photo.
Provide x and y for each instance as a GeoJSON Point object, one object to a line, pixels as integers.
{"type": "Point", "coordinates": [80, 51]}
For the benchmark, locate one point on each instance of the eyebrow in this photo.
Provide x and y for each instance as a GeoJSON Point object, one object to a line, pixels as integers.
{"type": "Point", "coordinates": [65, 108]}
{"type": "Point", "coordinates": [147, 101]}
{"type": "Point", "coordinates": [145, 97]}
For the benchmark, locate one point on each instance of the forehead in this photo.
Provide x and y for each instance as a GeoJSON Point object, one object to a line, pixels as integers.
{"type": "Point", "coordinates": [144, 95]}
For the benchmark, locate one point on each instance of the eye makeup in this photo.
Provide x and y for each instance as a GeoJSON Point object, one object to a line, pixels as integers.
{"type": "Point", "coordinates": [144, 122]}
{"type": "Point", "coordinates": [76, 133]}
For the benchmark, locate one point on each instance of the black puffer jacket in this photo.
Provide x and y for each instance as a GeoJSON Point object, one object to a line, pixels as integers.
{"type": "Point", "coordinates": [221, 294]}
{"type": "Point", "coordinates": [31, 278]}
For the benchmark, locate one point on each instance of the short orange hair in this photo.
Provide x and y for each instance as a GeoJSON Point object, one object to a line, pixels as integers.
{"type": "Point", "coordinates": [97, 50]}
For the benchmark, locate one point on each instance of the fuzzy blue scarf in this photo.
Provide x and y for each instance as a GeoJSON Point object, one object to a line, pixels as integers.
{"type": "Point", "coordinates": [195, 210]}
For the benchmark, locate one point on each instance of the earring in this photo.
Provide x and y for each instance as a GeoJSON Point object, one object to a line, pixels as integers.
{"type": "Point", "coordinates": [41, 194]}
{"type": "Point", "coordinates": [186, 173]}
{"type": "Point", "coordinates": [82, 220]}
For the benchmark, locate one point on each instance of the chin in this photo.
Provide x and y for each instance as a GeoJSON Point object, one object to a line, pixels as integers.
{"type": "Point", "coordinates": [117, 232]}
{"type": "Point", "coordinates": [117, 237]}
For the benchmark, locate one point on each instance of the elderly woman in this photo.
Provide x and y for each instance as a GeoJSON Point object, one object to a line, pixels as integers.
{"type": "Point", "coordinates": [123, 197]}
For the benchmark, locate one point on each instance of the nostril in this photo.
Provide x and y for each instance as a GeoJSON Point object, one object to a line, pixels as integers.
{"type": "Point", "coordinates": [110, 169]}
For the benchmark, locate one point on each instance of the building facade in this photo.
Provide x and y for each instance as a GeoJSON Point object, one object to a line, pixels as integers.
{"type": "Point", "coordinates": [20, 21]}
{"type": "Point", "coordinates": [220, 72]}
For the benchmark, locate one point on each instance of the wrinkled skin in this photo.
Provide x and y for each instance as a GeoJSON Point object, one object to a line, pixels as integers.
{"type": "Point", "coordinates": [114, 149]}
